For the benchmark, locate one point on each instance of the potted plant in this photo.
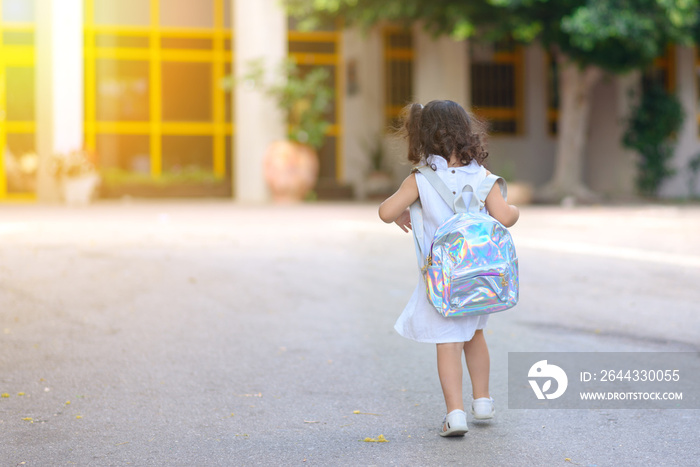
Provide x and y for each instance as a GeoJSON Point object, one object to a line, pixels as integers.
{"type": "Point", "coordinates": [291, 166]}
{"type": "Point", "coordinates": [77, 176]}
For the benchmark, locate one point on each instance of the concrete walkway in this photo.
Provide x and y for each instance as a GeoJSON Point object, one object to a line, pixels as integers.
{"type": "Point", "coordinates": [210, 333]}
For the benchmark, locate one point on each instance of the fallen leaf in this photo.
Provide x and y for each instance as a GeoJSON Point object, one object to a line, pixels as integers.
{"type": "Point", "coordinates": [357, 412]}
{"type": "Point", "coordinates": [78, 417]}
{"type": "Point", "coordinates": [5, 395]}
{"type": "Point", "coordinates": [20, 394]}
{"type": "Point", "coordinates": [311, 421]}
{"type": "Point", "coordinates": [379, 439]}
{"type": "Point", "coordinates": [28, 419]}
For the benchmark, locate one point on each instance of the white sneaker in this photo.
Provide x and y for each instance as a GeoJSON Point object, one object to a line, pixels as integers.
{"type": "Point", "coordinates": [454, 424]}
{"type": "Point", "coordinates": [483, 408]}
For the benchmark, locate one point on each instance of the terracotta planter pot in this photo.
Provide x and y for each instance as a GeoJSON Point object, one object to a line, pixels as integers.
{"type": "Point", "coordinates": [291, 170]}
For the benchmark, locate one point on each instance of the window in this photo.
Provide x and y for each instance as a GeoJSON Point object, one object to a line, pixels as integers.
{"type": "Point", "coordinates": [321, 47]}
{"type": "Point", "coordinates": [398, 72]}
{"type": "Point", "coordinates": [496, 85]}
{"type": "Point", "coordinates": [18, 161]}
{"type": "Point", "coordinates": [663, 70]}
{"type": "Point", "coordinates": [153, 99]}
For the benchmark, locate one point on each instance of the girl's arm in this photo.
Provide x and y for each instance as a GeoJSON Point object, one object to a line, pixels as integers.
{"type": "Point", "coordinates": [394, 207]}
{"type": "Point", "coordinates": [505, 213]}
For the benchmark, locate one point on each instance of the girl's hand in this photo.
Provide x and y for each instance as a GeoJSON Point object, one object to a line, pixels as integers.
{"type": "Point", "coordinates": [404, 221]}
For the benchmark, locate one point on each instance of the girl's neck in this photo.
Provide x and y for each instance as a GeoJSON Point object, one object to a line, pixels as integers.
{"type": "Point", "coordinates": [454, 162]}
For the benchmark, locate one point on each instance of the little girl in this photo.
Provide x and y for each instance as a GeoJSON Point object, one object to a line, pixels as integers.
{"type": "Point", "coordinates": [444, 136]}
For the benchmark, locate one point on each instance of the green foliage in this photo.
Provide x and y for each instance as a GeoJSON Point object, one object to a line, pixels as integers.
{"type": "Point", "coordinates": [620, 35]}
{"type": "Point", "coordinates": [651, 132]}
{"type": "Point", "coordinates": [304, 95]}
{"type": "Point", "coordinates": [693, 172]}
{"type": "Point", "coordinates": [116, 177]}
{"type": "Point", "coordinates": [616, 35]}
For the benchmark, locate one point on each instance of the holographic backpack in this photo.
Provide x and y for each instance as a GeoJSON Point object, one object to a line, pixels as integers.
{"type": "Point", "coordinates": [471, 268]}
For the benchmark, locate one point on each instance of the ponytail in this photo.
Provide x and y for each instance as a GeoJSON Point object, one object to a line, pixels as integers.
{"type": "Point", "coordinates": [412, 127]}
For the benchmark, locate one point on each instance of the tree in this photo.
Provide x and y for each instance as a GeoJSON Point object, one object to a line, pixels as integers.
{"type": "Point", "coordinates": [587, 37]}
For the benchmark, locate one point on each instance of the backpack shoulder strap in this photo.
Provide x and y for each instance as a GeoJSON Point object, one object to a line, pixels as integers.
{"type": "Point", "coordinates": [437, 183]}
{"type": "Point", "coordinates": [485, 188]}
{"type": "Point", "coordinates": [417, 231]}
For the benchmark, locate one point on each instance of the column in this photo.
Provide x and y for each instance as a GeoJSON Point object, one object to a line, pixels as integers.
{"type": "Point", "coordinates": [59, 86]}
{"type": "Point", "coordinates": [260, 31]}
{"type": "Point", "coordinates": [439, 68]}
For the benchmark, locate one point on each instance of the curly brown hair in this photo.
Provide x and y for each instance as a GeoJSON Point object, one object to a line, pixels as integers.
{"type": "Point", "coordinates": [443, 128]}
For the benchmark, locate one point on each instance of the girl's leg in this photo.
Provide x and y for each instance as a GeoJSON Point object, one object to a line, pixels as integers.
{"type": "Point", "coordinates": [476, 354]}
{"type": "Point", "coordinates": [449, 360]}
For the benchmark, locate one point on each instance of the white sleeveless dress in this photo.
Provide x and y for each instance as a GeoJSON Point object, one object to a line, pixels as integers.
{"type": "Point", "coordinates": [420, 321]}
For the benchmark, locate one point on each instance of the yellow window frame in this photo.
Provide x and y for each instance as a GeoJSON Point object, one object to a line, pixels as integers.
{"type": "Point", "coordinates": [13, 55]}
{"type": "Point", "coordinates": [552, 111]}
{"type": "Point", "coordinates": [394, 54]}
{"type": "Point", "coordinates": [154, 54]}
{"type": "Point", "coordinates": [515, 113]}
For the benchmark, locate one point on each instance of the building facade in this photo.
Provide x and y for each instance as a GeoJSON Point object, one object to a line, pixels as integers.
{"type": "Point", "coordinates": [139, 84]}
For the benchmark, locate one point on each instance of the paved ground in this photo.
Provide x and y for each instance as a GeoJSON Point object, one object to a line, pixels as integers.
{"type": "Point", "coordinates": [209, 333]}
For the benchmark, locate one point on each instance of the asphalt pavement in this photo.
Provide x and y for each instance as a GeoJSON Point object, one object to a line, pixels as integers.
{"type": "Point", "coordinates": [213, 333]}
